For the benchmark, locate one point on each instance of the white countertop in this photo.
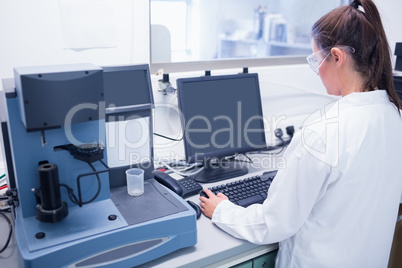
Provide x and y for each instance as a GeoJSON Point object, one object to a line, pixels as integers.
{"type": "Point", "coordinates": [213, 246]}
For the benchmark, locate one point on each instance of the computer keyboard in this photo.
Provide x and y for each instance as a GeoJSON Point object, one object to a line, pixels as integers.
{"type": "Point", "coordinates": [248, 191]}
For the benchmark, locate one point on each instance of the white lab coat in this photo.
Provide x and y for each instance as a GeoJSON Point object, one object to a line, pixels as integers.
{"type": "Point", "coordinates": [335, 203]}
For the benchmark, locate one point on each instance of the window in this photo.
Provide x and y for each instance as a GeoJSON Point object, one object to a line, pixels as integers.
{"type": "Point", "coordinates": [209, 30]}
{"type": "Point", "coordinates": [170, 17]}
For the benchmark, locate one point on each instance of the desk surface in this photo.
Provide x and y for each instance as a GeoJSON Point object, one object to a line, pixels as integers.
{"type": "Point", "coordinates": [214, 247]}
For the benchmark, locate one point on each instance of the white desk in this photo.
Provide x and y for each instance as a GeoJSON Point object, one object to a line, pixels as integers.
{"type": "Point", "coordinates": [214, 248]}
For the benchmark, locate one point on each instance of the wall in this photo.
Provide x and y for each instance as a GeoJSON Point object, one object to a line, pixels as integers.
{"type": "Point", "coordinates": [31, 35]}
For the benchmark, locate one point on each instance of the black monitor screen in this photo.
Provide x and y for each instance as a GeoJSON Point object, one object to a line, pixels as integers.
{"type": "Point", "coordinates": [127, 85]}
{"type": "Point", "coordinates": [221, 116]}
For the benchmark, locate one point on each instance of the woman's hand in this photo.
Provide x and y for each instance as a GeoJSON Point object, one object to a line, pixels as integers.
{"type": "Point", "coordinates": [208, 205]}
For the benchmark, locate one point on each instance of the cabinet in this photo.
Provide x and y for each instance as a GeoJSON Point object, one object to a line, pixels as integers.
{"type": "Point", "coordinates": [246, 264]}
{"type": "Point", "coordinates": [264, 261]}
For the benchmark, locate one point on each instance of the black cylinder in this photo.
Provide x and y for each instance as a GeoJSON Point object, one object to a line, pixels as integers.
{"type": "Point", "coordinates": [50, 207]}
{"type": "Point", "coordinates": [49, 187]}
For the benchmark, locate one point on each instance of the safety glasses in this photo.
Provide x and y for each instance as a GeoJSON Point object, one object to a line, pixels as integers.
{"type": "Point", "coordinates": [316, 59]}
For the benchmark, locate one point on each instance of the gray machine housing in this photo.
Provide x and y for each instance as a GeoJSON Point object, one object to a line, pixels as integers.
{"type": "Point", "coordinates": [49, 94]}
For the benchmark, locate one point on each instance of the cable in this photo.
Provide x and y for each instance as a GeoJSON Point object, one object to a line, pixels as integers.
{"type": "Point", "coordinates": [177, 163]}
{"type": "Point", "coordinates": [233, 158]}
{"type": "Point", "coordinates": [71, 194]}
{"type": "Point", "coordinates": [250, 160]}
{"type": "Point", "coordinates": [270, 153]}
{"type": "Point", "coordinates": [9, 233]}
{"type": "Point", "coordinates": [166, 137]}
{"type": "Point", "coordinates": [99, 186]}
{"type": "Point", "coordinates": [73, 198]}
{"type": "Point", "coordinates": [280, 146]}
{"type": "Point", "coordinates": [181, 173]}
{"type": "Point", "coordinates": [243, 161]}
{"type": "Point", "coordinates": [271, 148]}
{"type": "Point", "coordinates": [3, 179]}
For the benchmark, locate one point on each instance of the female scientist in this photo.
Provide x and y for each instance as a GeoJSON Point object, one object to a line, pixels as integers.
{"type": "Point", "coordinates": [336, 202]}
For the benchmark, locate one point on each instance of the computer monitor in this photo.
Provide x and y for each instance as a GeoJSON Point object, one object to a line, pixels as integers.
{"type": "Point", "coordinates": [221, 117]}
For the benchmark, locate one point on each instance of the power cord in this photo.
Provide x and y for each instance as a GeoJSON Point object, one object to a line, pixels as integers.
{"type": "Point", "coordinates": [290, 130]}
{"type": "Point", "coordinates": [183, 171]}
{"type": "Point", "coordinates": [233, 158]}
{"type": "Point", "coordinates": [282, 145]}
{"type": "Point", "coordinates": [279, 133]}
{"type": "Point", "coordinates": [166, 137]}
{"type": "Point", "coordinates": [9, 233]}
{"type": "Point", "coordinates": [73, 198]}
{"type": "Point", "coordinates": [3, 182]}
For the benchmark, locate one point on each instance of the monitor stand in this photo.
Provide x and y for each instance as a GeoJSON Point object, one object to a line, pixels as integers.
{"type": "Point", "coordinates": [213, 172]}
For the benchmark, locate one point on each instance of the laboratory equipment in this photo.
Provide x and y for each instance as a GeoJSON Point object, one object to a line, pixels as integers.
{"type": "Point", "coordinates": [60, 130]}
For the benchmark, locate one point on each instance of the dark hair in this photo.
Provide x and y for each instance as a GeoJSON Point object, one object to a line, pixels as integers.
{"type": "Point", "coordinates": [359, 25]}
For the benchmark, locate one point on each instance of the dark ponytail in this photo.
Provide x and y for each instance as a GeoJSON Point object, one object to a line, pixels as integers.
{"type": "Point", "coordinates": [359, 25]}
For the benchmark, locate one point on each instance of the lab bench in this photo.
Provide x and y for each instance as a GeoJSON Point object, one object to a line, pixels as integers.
{"type": "Point", "coordinates": [215, 248]}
